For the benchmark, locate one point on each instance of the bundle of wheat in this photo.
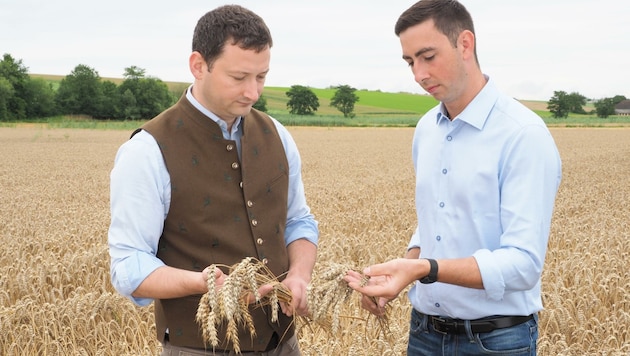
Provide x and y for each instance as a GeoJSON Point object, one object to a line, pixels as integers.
{"type": "Point", "coordinates": [230, 303]}
{"type": "Point", "coordinates": [327, 295]}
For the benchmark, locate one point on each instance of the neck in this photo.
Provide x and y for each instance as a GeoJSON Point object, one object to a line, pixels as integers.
{"type": "Point", "coordinates": [473, 87]}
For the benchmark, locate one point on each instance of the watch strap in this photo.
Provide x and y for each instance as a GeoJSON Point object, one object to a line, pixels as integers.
{"type": "Point", "coordinates": [433, 271]}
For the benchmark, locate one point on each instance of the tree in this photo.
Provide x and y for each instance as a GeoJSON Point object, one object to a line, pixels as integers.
{"type": "Point", "coordinates": [110, 105]}
{"type": "Point", "coordinates": [21, 96]}
{"type": "Point", "coordinates": [134, 72]}
{"type": "Point", "coordinates": [576, 103]}
{"type": "Point", "coordinates": [150, 95]}
{"type": "Point", "coordinates": [261, 104]}
{"type": "Point", "coordinates": [604, 107]}
{"type": "Point", "coordinates": [80, 92]}
{"type": "Point", "coordinates": [6, 92]}
{"type": "Point", "coordinates": [302, 100]}
{"type": "Point", "coordinates": [618, 98]}
{"type": "Point", "coordinates": [558, 105]}
{"type": "Point", "coordinates": [41, 98]}
{"type": "Point", "coordinates": [128, 106]}
{"type": "Point", "coordinates": [344, 99]}
{"type": "Point", "coordinates": [561, 104]}
{"type": "Point", "coordinates": [16, 74]}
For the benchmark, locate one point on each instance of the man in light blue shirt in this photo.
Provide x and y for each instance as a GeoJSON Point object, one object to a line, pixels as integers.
{"type": "Point", "coordinates": [487, 173]}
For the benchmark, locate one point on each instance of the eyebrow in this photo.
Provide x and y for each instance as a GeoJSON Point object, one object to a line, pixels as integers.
{"type": "Point", "coordinates": [237, 72]}
{"type": "Point", "coordinates": [419, 52]}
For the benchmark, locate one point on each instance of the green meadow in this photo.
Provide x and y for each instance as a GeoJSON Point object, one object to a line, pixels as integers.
{"type": "Point", "coordinates": [374, 109]}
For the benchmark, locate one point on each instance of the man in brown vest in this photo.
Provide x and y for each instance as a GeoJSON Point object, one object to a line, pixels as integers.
{"type": "Point", "coordinates": [212, 181]}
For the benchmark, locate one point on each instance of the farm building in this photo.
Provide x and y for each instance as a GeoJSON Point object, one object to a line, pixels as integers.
{"type": "Point", "coordinates": [623, 108]}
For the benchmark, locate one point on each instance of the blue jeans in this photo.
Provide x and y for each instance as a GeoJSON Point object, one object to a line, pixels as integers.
{"type": "Point", "coordinates": [516, 340]}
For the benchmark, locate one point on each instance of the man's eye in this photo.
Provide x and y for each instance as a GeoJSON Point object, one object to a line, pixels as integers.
{"type": "Point", "coordinates": [429, 58]}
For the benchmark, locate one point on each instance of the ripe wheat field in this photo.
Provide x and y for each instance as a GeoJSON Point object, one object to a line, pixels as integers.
{"type": "Point", "coordinates": [56, 298]}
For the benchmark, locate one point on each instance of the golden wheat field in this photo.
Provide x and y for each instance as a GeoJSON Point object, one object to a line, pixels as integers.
{"type": "Point", "coordinates": [56, 298]}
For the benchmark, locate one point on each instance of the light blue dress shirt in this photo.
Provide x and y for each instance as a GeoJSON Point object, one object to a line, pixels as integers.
{"type": "Point", "coordinates": [486, 183]}
{"type": "Point", "coordinates": [140, 193]}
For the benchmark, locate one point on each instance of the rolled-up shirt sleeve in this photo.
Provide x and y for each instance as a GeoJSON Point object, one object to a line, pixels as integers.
{"type": "Point", "coordinates": [138, 183]}
{"type": "Point", "coordinates": [529, 182]}
{"type": "Point", "coordinates": [414, 242]}
{"type": "Point", "coordinates": [301, 224]}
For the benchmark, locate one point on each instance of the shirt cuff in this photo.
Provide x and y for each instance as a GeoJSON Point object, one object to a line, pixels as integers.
{"type": "Point", "coordinates": [128, 274]}
{"type": "Point", "coordinates": [306, 230]}
{"type": "Point", "coordinates": [414, 242]}
{"type": "Point", "coordinates": [491, 275]}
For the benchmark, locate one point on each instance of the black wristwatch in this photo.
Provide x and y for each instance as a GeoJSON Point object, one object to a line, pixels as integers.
{"type": "Point", "coordinates": [432, 276]}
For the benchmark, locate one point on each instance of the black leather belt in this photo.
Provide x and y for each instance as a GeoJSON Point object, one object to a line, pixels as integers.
{"type": "Point", "coordinates": [485, 325]}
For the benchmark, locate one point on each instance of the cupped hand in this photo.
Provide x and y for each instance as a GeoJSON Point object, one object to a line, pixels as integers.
{"type": "Point", "coordinates": [385, 280]}
{"type": "Point", "coordinates": [299, 302]}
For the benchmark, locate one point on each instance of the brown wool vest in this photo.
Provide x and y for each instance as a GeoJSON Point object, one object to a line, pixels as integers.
{"type": "Point", "coordinates": [222, 210]}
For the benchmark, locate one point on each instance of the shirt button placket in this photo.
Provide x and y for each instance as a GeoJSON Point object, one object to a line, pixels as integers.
{"type": "Point", "coordinates": [442, 204]}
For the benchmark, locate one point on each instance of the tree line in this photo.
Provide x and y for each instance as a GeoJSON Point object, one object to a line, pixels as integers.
{"type": "Point", "coordinates": [562, 104]}
{"type": "Point", "coordinates": [83, 92]}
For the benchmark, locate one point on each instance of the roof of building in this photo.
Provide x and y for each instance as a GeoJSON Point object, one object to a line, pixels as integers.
{"type": "Point", "coordinates": [623, 105]}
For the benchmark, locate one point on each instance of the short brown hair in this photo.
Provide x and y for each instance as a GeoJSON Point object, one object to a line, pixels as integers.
{"type": "Point", "coordinates": [450, 18]}
{"type": "Point", "coordinates": [229, 23]}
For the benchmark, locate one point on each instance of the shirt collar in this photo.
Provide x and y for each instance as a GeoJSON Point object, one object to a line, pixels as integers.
{"type": "Point", "coordinates": [209, 113]}
{"type": "Point", "coordinates": [477, 112]}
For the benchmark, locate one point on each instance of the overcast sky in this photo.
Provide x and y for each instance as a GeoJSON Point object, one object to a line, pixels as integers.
{"type": "Point", "coordinates": [530, 48]}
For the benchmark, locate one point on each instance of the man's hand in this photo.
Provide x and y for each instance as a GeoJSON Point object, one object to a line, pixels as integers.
{"type": "Point", "coordinates": [387, 280]}
{"type": "Point", "coordinates": [299, 303]}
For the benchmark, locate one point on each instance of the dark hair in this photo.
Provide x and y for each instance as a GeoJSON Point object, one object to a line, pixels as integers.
{"type": "Point", "coordinates": [229, 23]}
{"type": "Point", "coordinates": [450, 18]}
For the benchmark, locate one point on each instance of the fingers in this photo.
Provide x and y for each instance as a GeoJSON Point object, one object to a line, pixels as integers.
{"type": "Point", "coordinates": [299, 302]}
{"type": "Point", "coordinates": [298, 306]}
{"type": "Point", "coordinates": [373, 305]}
{"type": "Point", "coordinates": [265, 289]}
{"type": "Point", "coordinates": [371, 286]}
{"type": "Point", "coordinates": [286, 309]}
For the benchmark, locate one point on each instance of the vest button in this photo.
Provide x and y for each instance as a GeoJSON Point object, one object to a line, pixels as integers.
{"type": "Point", "coordinates": [235, 165]}
{"type": "Point", "coordinates": [254, 222]}
{"type": "Point", "coordinates": [259, 241]}
{"type": "Point", "coordinates": [265, 261]}
{"type": "Point", "coordinates": [241, 185]}
{"type": "Point", "coordinates": [229, 147]}
{"type": "Point", "coordinates": [250, 203]}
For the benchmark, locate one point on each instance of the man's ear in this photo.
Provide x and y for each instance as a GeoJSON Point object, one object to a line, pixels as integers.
{"type": "Point", "coordinates": [198, 66]}
{"type": "Point", "coordinates": [466, 42]}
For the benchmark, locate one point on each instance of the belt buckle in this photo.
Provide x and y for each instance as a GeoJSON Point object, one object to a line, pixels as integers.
{"type": "Point", "coordinates": [440, 325]}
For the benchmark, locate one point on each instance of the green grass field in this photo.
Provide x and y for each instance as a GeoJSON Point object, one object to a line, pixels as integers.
{"type": "Point", "coordinates": [374, 108]}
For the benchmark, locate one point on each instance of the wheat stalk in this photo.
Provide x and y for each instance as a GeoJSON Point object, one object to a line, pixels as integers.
{"type": "Point", "coordinates": [230, 303]}
{"type": "Point", "coordinates": [328, 295]}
